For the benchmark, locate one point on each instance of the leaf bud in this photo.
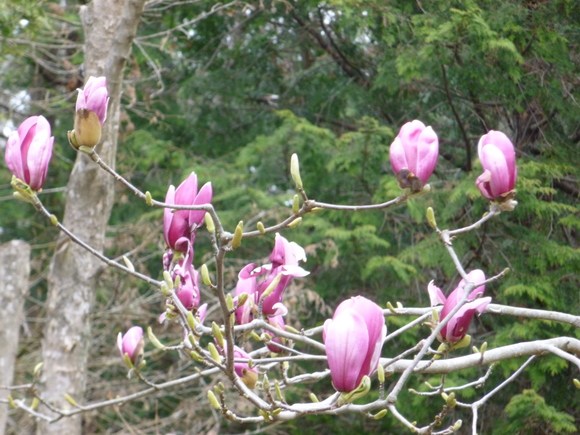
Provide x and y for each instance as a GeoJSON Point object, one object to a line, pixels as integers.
{"type": "Point", "coordinates": [190, 320]}
{"type": "Point", "coordinates": [205, 275]}
{"type": "Point", "coordinates": [295, 171]}
{"type": "Point", "coordinates": [37, 368]}
{"type": "Point", "coordinates": [261, 228]}
{"type": "Point", "coordinates": [381, 373]}
{"type": "Point", "coordinates": [380, 414]}
{"type": "Point", "coordinates": [128, 263]}
{"type": "Point", "coordinates": [295, 223]}
{"type": "Point", "coordinates": [213, 400]}
{"type": "Point", "coordinates": [295, 204]}
{"type": "Point", "coordinates": [237, 239]}
{"type": "Point", "coordinates": [431, 218]}
{"type": "Point", "coordinates": [278, 391]}
{"type": "Point", "coordinates": [214, 353]}
{"type": "Point", "coordinates": [209, 223]}
{"type": "Point", "coordinates": [167, 279]}
{"type": "Point", "coordinates": [266, 383]}
{"type": "Point", "coordinates": [217, 333]}
{"type": "Point", "coordinates": [70, 400]}
{"type": "Point", "coordinates": [153, 339]}
{"type": "Point", "coordinates": [271, 287]}
{"type": "Point", "coordinates": [242, 299]}
{"type": "Point", "coordinates": [229, 302]}
{"type": "Point", "coordinates": [148, 198]}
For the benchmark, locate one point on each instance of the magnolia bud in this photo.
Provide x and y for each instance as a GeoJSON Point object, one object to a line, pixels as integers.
{"type": "Point", "coordinates": [87, 130]}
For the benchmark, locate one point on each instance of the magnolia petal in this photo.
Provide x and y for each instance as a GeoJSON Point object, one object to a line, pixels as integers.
{"type": "Point", "coordinates": [397, 156]}
{"type": "Point", "coordinates": [346, 340]}
{"type": "Point", "coordinates": [435, 295]}
{"type": "Point", "coordinates": [494, 161]}
{"type": "Point", "coordinates": [427, 152]}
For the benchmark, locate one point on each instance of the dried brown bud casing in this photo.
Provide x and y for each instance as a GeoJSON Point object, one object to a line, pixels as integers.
{"type": "Point", "coordinates": [87, 132]}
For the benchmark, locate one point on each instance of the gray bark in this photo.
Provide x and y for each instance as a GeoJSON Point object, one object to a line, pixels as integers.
{"type": "Point", "coordinates": [110, 27]}
{"type": "Point", "coordinates": [14, 270]}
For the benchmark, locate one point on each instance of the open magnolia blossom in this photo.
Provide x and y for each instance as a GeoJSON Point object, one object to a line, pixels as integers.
{"type": "Point", "coordinates": [180, 226]}
{"type": "Point", "coordinates": [283, 267]}
{"type": "Point", "coordinates": [413, 155]}
{"type": "Point", "coordinates": [354, 340]}
{"type": "Point", "coordinates": [498, 158]}
{"type": "Point", "coordinates": [28, 151]}
{"type": "Point", "coordinates": [458, 325]}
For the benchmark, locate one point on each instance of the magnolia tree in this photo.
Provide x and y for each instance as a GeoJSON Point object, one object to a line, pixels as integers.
{"type": "Point", "coordinates": [250, 347]}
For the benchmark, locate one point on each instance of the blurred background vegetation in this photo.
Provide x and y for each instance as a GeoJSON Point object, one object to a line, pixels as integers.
{"type": "Point", "coordinates": [233, 95]}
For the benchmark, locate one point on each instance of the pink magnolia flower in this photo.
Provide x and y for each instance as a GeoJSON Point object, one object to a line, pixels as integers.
{"type": "Point", "coordinates": [131, 343]}
{"type": "Point", "coordinates": [94, 97]}
{"type": "Point", "coordinates": [179, 227]}
{"type": "Point", "coordinates": [188, 292]}
{"type": "Point", "coordinates": [284, 262]}
{"type": "Point", "coordinates": [354, 340]}
{"type": "Point", "coordinates": [458, 325]}
{"type": "Point", "coordinates": [498, 159]}
{"type": "Point", "coordinates": [28, 151]}
{"type": "Point", "coordinates": [415, 149]}
{"type": "Point", "coordinates": [249, 376]}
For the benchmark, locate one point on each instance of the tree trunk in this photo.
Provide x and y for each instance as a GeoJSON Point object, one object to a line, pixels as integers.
{"type": "Point", "coordinates": [110, 27]}
{"type": "Point", "coordinates": [14, 270]}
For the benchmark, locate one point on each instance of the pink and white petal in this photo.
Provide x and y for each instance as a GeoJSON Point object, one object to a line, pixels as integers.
{"type": "Point", "coordinates": [436, 296]}
{"type": "Point", "coordinates": [494, 161]}
{"type": "Point", "coordinates": [483, 185]}
{"type": "Point", "coordinates": [13, 156]}
{"type": "Point", "coordinates": [346, 340]}
{"type": "Point", "coordinates": [397, 156]}
{"type": "Point", "coordinates": [427, 152]}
